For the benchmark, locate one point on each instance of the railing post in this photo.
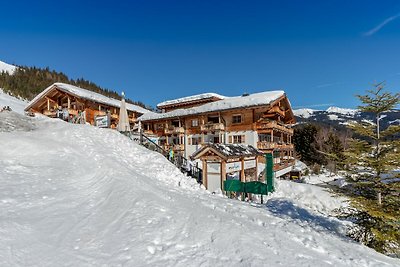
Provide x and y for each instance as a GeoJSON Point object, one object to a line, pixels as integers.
{"type": "Point", "coordinates": [269, 172]}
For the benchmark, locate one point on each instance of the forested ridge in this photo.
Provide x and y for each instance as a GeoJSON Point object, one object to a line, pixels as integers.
{"type": "Point", "coordinates": [27, 82]}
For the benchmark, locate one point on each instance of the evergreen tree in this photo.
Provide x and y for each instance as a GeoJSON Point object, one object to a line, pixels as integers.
{"type": "Point", "coordinates": [374, 195]}
{"type": "Point", "coordinates": [334, 151]}
{"type": "Point", "coordinates": [304, 139]}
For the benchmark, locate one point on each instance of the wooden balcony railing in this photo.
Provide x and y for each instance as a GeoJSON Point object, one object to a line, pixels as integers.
{"type": "Point", "coordinates": [212, 127]}
{"type": "Point", "coordinates": [273, 125]}
{"type": "Point", "coordinates": [174, 130]}
{"type": "Point", "coordinates": [271, 145]}
{"type": "Point", "coordinates": [177, 147]}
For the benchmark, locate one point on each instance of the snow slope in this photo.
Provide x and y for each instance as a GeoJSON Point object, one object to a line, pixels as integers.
{"type": "Point", "coordinates": [15, 104]}
{"type": "Point", "coordinates": [303, 112]}
{"type": "Point", "coordinates": [344, 111]}
{"type": "Point", "coordinates": [76, 195]}
{"type": "Point", "coordinates": [7, 67]}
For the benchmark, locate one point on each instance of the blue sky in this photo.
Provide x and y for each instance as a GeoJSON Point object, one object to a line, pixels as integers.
{"type": "Point", "coordinates": [321, 53]}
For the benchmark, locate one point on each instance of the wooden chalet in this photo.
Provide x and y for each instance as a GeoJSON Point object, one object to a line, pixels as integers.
{"type": "Point", "coordinates": [262, 120]}
{"type": "Point", "coordinates": [79, 105]}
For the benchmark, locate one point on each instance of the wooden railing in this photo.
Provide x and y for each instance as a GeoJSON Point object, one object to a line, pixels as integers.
{"type": "Point", "coordinates": [273, 125]}
{"type": "Point", "coordinates": [212, 127]}
{"type": "Point", "coordinates": [272, 145]}
{"type": "Point", "coordinates": [174, 130]}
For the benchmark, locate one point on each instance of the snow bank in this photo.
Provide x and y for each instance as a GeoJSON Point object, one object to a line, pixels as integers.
{"type": "Point", "coordinates": [76, 195]}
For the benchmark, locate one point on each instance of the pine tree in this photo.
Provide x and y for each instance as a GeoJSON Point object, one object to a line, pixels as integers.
{"type": "Point", "coordinates": [375, 196]}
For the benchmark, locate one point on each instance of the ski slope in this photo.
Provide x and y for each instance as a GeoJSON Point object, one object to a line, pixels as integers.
{"type": "Point", "coordinates": [15, 104]}
{"type": "Point", "coordinates": [76, 195]}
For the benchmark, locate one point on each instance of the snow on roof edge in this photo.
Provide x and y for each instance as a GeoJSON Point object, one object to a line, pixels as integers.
{"type": "Point", "coordinates": [252, 100]}
{"type": "Point", "coordinates": [90, 95]}
{"type": "Point", "coordinates": [190, 99]}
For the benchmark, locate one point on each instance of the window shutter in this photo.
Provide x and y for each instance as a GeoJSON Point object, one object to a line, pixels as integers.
{"type": "Point", "coordinates": [243, 139]}
{"type": "Point", "coordinates": [189, 140]}
{"type": "Point", "coordinates": [230, 139]}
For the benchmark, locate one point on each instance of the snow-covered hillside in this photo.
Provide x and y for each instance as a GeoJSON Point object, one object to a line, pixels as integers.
{"type": "Point", "coordinates": [7, 67]}
{"type": "Point", "coordinates": [303, 112]}
{"type": "Point", "coordinates": [76, 195]}
{"type": "Point", "coordinates": [15, 104]}
{"type": "Point", "coordinates": [340, 117]}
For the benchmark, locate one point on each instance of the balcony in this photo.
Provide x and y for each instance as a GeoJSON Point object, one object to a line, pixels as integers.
{"type": "Point", "coordinates": [270, 125]}
{"type": "Point", "coordinates": [264, 145]}
{"type": "Point", "coordinates": [174, 130]}
{"type": "Point", "coordinates": [211, 127]}
{"type": "Point", "coordinates": [178, 147]}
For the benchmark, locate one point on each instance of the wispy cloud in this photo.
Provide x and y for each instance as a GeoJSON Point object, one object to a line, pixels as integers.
{"type": "Point", "coordinates": [381, 25]}
{"type": "Point", "coordinates": [327, 85]}
{"type": "Point", "coordinates": [316, 105]}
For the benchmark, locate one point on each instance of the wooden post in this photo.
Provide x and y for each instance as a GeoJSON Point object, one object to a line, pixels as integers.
{"type": "Point", "coordinates": [69, 103]}
{"type": "Point", "coordinates": [48, 104]}
{"type": "Point", "coordinates": [256, 159]}
{"type": "Point", "coordinates": [205, 173]}
{"type": "Point", "coordinates": [223, 174]}
{"type": "Point", "coordinates": [242, 178]}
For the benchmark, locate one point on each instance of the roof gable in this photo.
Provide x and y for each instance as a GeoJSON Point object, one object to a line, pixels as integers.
{"type": "Point", "coordinates": [227, 151]}
{"type": "Point", "coordinates": [86, 94]}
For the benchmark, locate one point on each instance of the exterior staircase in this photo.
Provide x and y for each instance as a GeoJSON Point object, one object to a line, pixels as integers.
{"type": "Point", "coordinates": [179, 161]}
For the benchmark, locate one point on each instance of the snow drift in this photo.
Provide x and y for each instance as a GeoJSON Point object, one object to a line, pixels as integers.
{"type": "Point", "coordinates": [75, 195]}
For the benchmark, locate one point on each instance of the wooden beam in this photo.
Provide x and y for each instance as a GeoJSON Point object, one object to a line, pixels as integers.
{"type": "Point", "coordinates": [223, 174]}
{"type": "Point", "coordinates": [242, 178]}
{"type": "Point", "coordinates": [205, 173]}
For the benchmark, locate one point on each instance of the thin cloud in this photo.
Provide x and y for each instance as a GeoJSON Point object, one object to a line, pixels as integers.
{"type": "Point", "coordinates": [316, 105]}
{"type": "Point", "coordinates": [328, 84]}
{"type": "Point", "coordinates": [381, 25]}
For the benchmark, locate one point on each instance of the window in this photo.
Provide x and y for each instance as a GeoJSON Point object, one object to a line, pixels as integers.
{"type": "Point", "coordinates": [195, 140]}
{"type": "Point", "coordinates": [237, 139]}
{"type": "Point", "coordinates": [159, 126]}
{"type": "Point", "coordinates": [195, 123]}
{"type": "Point", "coordinates": [213, 119]}
{"type": "Point", "coordinates": [216, 140]}
{"type": "Point", "coordinates": [237, 118]}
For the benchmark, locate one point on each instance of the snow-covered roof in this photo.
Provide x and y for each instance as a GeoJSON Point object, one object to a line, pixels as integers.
{"type": "Point", "coordinates": [257, 99]}
{"type": "Point", "coordinates": [86, 94]}
{"type": "Point", "coordinates": [230, 150]}
{"type": "Point", "coordinates": [190, 99]}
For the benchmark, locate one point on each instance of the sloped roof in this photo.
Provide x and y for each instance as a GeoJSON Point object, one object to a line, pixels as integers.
{"type": "Point", "coordinates": [252, 100]}
{"type": "Point", "coordinates": [190, 99]}
{"type": "Point", "coordinates": [86, 94]}
{"type": "Point", "coordinates": [229, 150]}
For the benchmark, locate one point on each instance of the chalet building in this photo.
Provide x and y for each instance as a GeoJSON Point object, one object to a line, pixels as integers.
{"type": "Point", "coordinates": [261, 120]}
{"type": "Point", "coordinates": [79, 105]}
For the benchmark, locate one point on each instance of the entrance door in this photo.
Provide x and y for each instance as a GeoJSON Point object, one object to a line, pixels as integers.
{"type": "Point", "coordinates": [213, 177]}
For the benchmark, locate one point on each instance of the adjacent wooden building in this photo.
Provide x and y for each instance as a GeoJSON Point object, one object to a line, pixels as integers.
{"type": "Point", "coordinates": [79, 105]}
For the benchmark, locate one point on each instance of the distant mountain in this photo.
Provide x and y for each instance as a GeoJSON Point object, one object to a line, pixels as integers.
{"type": "Point", "coordinates": [339, 118]}
{"type": "Point", "coordinates": [26, 82]}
